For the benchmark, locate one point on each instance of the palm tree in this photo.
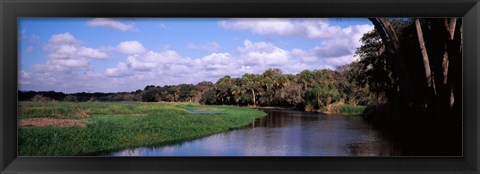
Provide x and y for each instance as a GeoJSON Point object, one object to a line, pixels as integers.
{"type": "Point", "coordinates": [251, 84]}
{"type": "Point", "coordinates": [223, 88]}
{"type": "Point", "coordinates": [236, 91]}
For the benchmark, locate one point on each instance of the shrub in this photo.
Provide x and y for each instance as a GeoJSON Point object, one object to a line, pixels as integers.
{"type": "Point", "coordinates": [41, 98]}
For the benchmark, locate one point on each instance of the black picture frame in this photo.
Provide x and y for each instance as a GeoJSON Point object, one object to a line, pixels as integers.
{"type": "Point", "coordinates": [10, 10]}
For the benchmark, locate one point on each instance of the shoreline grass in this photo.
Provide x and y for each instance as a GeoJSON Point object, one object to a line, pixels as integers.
{"type": "Point", "coordinates": [118, 126]}
{"type": "Point", "coordinates": [351, 110]}
{"type": "Point", "coordinates": [341, 108]}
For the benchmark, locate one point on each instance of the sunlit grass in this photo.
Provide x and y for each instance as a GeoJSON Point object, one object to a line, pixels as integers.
{"type": "Point", "coordinates": [116, 126]}
{"type": "Point", "coordinates": [351, 109]}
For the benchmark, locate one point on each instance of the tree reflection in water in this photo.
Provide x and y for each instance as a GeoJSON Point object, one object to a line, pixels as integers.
{"type": "Point", "coordinates": [285, 133]}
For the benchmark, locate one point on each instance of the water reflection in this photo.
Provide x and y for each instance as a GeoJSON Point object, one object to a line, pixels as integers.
{"type": "Point", "coordinates": [285, 133]}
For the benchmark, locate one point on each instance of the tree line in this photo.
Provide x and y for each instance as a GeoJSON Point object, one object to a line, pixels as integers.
{"type": "Point", "coordinates": [310, 90]}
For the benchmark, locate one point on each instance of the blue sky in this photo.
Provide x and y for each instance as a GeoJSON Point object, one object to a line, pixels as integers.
{"type": "Point", "coordinates": [126, 54]}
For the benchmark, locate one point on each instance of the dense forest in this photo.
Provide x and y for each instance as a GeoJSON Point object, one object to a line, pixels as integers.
{"type": "Point", "coordinates": [409, 73]}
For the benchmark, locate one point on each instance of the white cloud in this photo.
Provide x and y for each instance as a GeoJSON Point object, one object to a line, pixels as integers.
{"type": "Point", "coordinates": [303, 55]}
{"type": "Point", "coordinates": [312, 28]}
{"type": "Point", "coordinates": [131, 48]}
{"type": "Point", "coordinates": [261, 26]}
{"type": "Point", "coordinates": [166, 57]}
{"type": "Point", "coordinates": [69, 62]}
{"type": "Point", "coordinates": [216, 61]}
{"type": "Point", "coordinates": [25, 78]}
{"type": "Point", "coordinates": [356, 32]}
{"type": "Point", "coordinates": [67, 48]}
{"type": "Point", "coordinates": [169, 67]}
{"type": "Point", "coordinates": [92, 53]}
{"type": "Point", "coordinates": [139, 64]}
{"type": "Point", "coordinates": [331, 50]}
{"type": "Point", "coordinates": [336, 44]}
{"type": "Point", "coordinates": [121, 70]}
{"type": "Point", "coordinates": [262, 53]}
{"type": "Point", "coordinates": [216, 65]}
{"type": "Point", "coordinates": [152, 63]}
{"type": "Point", "coordinates": [68, 66]}
{"type": "Point", "coordinates": [341, 60]}
{"type": "Point", "coordinates": [209, 46]}
{"type": "Point", "coordinates": [158, 68]}
{"type": "Point", "coordinates": [111, 23]}
{"type": "Point", "coordinates": [65, 38]}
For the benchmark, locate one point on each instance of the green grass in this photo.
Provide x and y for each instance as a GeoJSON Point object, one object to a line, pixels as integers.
{"type": "Point", "coordinates": [351, 110]}
{"type": "Point", "coordinates": [113, 129]}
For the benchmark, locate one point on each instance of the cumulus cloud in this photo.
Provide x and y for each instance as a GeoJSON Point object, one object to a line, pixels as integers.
{"type": "Point", "coordinates": [331, 50]}
{"type": "Point", "coordinates": [341, 60]}
{"type": "Point", "coordinates": [335, 43]}
{"type": "Point", "coordinates": [262, 26]}
{"type": "Point", "coordinates": [111, 23]}
{"type": "Point", "coordinates": [152, 61]}
{"type": "Point", "coordinates": [25, 78]}
{"type": "Point", "coordinates": [65, 50]}
{"type": "Point", "coordinates": [121, 70]}
{"type": "Point", "coordinates": [159, 68]}
{"type": "Point", "coordinates": [303, 55]}
{"type": "Point", "coordinates": [131, 47]}
{"type": "Point", "coordinates": [62, 38]}
{"type": "Point", "coordinates": [68, 64]}
{"type": "Point", "coordinates": [217, 65]}
{"type": "Point", "coordinates": [216, 61]}
{"type": "Point", "coordinates": [311, 27]}
{"type": "Point", "coordinates": [209, 46]}
{"type": "Point", "coordinates": [170, 67]}
{"type": "Point", "coordinates": [262, 53]}
{"type": "Point", "coordinates": [166, 67]}
{"type": "Point", "coordinates": [92, 53]}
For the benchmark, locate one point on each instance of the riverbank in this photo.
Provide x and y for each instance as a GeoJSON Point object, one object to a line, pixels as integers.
{"type": "Point", "coordinates": [336, 108]}
{"type": "Point", "coordinates": [91, 128]}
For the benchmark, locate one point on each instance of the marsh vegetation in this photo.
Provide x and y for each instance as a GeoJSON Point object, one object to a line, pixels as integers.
{"type": "Point", "coordinates": [407, 82]}
{"type": "Point", "coordinates": [105, 127]}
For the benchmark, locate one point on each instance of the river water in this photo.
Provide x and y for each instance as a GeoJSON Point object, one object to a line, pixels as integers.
{"type": "Point", "coordinates": [285, 133]}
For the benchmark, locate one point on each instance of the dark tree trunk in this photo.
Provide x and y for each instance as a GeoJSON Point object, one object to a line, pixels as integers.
{"type": "Point", "coordinates": [438, 117]}
{"type": "Point", "coordinates": [393, 50]}
{"type": "Point", "coordinates": [426, 61]}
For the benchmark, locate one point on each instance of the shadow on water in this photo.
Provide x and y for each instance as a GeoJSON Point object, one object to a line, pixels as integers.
{"type": "Point", "coordinates": [285, 133]}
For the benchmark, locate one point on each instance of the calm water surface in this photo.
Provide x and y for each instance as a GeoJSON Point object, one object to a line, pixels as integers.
{"type": "Point", "coordinates": [285, 133]}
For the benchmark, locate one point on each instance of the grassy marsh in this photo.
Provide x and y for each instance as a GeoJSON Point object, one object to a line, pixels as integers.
{"type": "Point", "coordinates": [121, 125]}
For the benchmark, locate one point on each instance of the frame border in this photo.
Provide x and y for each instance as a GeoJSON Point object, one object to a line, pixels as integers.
{"type": "Point", "coordinates": [10, 10]}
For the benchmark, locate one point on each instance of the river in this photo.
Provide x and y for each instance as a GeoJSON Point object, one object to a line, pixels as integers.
{"type": "Point", "coordinates": [285, 133]}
